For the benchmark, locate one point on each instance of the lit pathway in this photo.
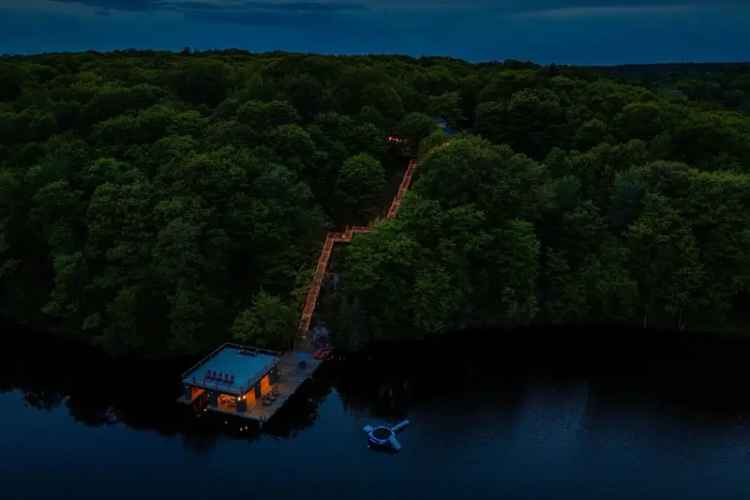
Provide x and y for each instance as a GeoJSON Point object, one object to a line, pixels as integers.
{"type": "Point", "coordinates": [311, 300]}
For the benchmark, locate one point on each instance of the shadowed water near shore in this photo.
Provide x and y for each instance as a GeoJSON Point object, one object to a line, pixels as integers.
{"type": "Point", "coordinates": [534, 413]}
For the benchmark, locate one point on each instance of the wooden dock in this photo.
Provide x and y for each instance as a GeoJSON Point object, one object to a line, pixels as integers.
{"type": "Point", "coordinates": [291, 377]}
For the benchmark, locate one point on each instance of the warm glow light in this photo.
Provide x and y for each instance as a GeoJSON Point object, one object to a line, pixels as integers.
{"type": "Point", "coordinates": [265, 385]}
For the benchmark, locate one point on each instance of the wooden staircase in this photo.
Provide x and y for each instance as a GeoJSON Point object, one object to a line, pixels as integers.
{"type": "Point", "coordinates": [311, 301]}
{"type": "Point", "coordinates": [402, 189]}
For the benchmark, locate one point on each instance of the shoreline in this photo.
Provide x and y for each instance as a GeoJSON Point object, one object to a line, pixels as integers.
{"type": "Point", "coordinates": [595, 339]}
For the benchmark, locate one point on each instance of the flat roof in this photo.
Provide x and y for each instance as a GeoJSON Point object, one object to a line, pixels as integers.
{"type": "Point", "coordinates": [246, 364]}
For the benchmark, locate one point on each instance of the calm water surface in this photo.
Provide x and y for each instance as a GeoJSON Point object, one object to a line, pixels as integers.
{"type": "Point", "coordinates": [676, 426]}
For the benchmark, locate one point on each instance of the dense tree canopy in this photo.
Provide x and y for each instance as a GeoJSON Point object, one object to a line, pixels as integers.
{"type": "Point", "coordinates": [154, 202]}
{"type": "Point", "coordinates": [360, 183]}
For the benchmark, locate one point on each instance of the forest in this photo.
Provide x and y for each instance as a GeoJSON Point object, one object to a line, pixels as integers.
{"type": "Point", "coordinates": [157, 203]}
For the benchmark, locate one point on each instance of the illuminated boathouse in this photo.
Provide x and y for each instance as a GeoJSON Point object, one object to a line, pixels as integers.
{"type": "Point", "coordinates": [232, 379]}
{"type": "Point", "coordinates": [244, 381]}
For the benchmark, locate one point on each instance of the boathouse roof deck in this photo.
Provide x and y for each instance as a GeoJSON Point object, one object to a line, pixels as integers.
{"type": "Point", "coordinates": [246, 366]}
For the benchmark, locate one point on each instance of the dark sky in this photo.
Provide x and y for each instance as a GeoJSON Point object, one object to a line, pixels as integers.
{"type": "Point", "coordinates": [545, 31]}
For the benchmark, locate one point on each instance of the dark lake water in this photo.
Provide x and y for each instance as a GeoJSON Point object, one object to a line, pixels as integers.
{"type": "Point", "coordinates": [539, 419]}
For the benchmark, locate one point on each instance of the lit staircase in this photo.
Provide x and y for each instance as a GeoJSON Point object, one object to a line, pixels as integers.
{"type": "Point", "coordinates": [311, 301]}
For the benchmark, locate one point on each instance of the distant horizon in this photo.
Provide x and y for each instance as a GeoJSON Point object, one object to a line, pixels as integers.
{"type": "Point", "coordinates": [369, 54]}
{"type": "Point", "coordinates": [563, 32]}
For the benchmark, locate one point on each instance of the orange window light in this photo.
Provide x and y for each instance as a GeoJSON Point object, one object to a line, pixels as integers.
{"type": "Point", "coordinates": [265, 385]}
{"type": "Point", "coordinates": [250, 398]}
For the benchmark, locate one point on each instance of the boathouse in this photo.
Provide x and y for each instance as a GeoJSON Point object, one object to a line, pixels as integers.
{"type": "Point", "coordinates": [232, 379]}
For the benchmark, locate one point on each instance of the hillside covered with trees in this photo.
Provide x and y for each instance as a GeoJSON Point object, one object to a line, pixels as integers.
{"type": "Point", "coordinates": [156, 202]}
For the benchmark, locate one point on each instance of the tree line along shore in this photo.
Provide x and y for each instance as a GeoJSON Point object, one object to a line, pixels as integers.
{"type": "Point", "coordinates": [154, 202]}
